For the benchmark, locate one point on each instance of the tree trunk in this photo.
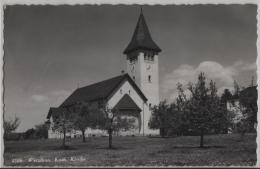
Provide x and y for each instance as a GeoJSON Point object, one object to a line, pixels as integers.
{"type": "Point", "coordinates": [201, 138]}
{"type": "Point", "coordinates": [162, 132]}
{"type": "Point", "coordinates": [83, 136]}
{"type": "Point", "coordinates": [64, 138]}
{"type": "Point", "coordinates": [110, 138]}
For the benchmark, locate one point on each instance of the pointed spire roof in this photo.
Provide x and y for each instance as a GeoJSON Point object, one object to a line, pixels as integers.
{"type": "Point", "coordinates": [141, 38]}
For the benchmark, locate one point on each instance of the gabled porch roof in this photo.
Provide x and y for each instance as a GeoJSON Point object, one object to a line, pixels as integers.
{"type": "Point", "coordinates": [126, 103]}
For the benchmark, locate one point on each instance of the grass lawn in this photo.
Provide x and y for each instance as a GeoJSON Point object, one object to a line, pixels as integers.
{"type": "Point", "coordinates": [220, 150]}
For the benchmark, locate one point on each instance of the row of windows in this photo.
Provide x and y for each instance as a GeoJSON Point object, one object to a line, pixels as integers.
{"type": "Point", "coordinates": [149, 57]}
{"type": "Point", "coordinates": [146, 58]}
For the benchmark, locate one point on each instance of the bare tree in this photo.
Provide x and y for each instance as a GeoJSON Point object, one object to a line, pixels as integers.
{"type": "Point", "coordinates": [11, 125]}
{"type": "Point", "coordinates": [85, 117]}
{"type": "Point", "coordinates": [64, 122]}
{"type": "Point", "coordinates": [113, 120]}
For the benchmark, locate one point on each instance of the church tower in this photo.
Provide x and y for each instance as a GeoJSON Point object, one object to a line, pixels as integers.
{"type": "Point", "coordinates": [142, 63]}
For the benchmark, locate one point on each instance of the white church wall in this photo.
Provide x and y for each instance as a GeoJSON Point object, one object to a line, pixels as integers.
{"type": "Point", "coordinates": [150, 89]}
{"type": "Point", "coordinates": [145, 114]}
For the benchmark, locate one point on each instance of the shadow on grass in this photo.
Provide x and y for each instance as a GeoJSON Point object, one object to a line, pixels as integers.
{"type": "Point", "coordinates": [113, 148]}
{"type": "Point", "coordinates": [196, 147]}
{"type": "Point", "coordinates": [64, 148]}
{"type": "Point", "coordinates": [166, 137]}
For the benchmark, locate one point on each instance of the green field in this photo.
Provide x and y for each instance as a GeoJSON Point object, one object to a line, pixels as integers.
{"type": "Point", "coordinates": [220, 150]}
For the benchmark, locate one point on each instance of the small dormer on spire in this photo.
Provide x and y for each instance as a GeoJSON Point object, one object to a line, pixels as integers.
{"type": "Point", "coordinates": [141, 38]}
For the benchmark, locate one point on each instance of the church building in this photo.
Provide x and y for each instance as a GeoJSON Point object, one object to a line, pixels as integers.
{"type": "Point", "coordinates": [133, 92]}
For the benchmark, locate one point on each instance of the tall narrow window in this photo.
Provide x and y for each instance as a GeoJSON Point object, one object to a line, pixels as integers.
{"type": "Point", "coordinates": [129, 92]}
{"type": "Point", "coordinates": [149, 79]}
{"type": "Point", "coordinates": [134, 78]}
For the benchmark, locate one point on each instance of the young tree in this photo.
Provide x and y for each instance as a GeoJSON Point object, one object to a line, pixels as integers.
{"type": "Point", "coordinates": [227, 95]}
{"type": "Point", "coordinates": [178, 121]}
{"type": "Point", "coordinates": [182, 103]}
{"type": "Point", "coordinates": [205, 109]}
{"type": "Point", "coordinates": [242, 127]}
{"type": "Point", "coordinates": [171, 118]}
{"type": "Point", "coordinates": [10, 125]}
{"type": "Point", "coordinates": [112, 120]}
{"type": "Point", "coordinates": [200, 115]}
{"type": "Point", "coordinates": [84, 118]}
{"type": "Point", "coordinates": [222, 118]}
{"type": "Point", "coordinates": [64, 122]}
{"type": "Point", "coordinates": [236, 89]}
{"type": "Point", "coordinates": [248, 101]}
{"type": "Point", "coordinates": [160, 118]}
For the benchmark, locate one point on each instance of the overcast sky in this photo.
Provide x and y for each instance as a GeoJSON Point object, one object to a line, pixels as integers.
{"type": "Point", "coordinates": [50, 50]}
